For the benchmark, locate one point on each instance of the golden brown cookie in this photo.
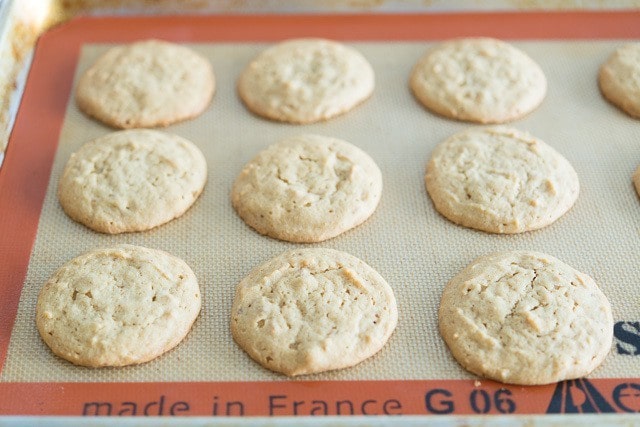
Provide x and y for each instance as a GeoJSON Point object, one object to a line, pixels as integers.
{"type": "Point", "coordinates": [312, 310]}
{"type": "Point", "coordinates": [525, 318]}
{"type": "Point", "coordinates": [307, 188]}
{"type": "Point", "coordinates": [132, 180]}
{"type": "Point", "coordinates": [619, 79]}
{"type": "Point", "coordinates": [118, 306]}
{"type": "Point", "coordinates": [500, 180]}
{"type": "Point", "coordinates": [480, 80]}
{"type": "Point", "coordinates": [146, 84]}
{"type": "Point", "coordinates": [636, 180]}
{"type": "Point", "coordinates": [306, 80]}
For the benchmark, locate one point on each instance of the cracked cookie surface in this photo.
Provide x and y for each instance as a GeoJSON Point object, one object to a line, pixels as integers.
{"type": "Point", "coordinates": [306, 80]}
{"type": "Point", "coordinates": [619, 79]}
{"type": "Point", "coordinates": [312, 310]}
{"type": "Point", "coordinates": [525, 318]}
{"type": "Point", "coordinates": [500, 180]}
{"type": "Point", "coordinates": [118, 306]}
{"type": "Point", "coordinates": [132, 180]}
{"type": "Point", "coordinates": [480, 80]}
{"type": "Point", "coordinates": [146, 84]}
{"type": "Point", "coordinates": [307, 188]}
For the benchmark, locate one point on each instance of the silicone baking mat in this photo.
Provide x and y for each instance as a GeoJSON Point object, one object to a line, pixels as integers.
{"type": "Point", "coordinates": [406, 240]}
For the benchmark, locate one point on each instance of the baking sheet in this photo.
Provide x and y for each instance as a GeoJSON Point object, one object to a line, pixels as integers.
{"type": "Point", "coordinates": [406, 240]}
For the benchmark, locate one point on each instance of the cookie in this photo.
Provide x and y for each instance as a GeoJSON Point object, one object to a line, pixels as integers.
{"type": "Point", "coordinates": [636, 180]}
{"type": "Point", "coordinates": [118, 306]}
{"type": "Point", "coordinates": [131, 180]}
{"type": "Point", "coordinates": [306, 80]}
{"type": "Point", "coordinates": [479, 80]}
{"type": "Point", "coordinates": [307, 188]}
{"type": "Point", "coordinates": [619, 79]}
{"type": "Point", "coordinates": [146, 84]}
{"type": "Point", "coordinates": [525, 318]}
{"type": "Point", "coordinates": [500, 180]}
{"type": "Point", "coordinates": [312, 310]}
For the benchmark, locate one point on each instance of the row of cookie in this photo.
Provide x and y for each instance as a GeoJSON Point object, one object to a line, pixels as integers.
{"type": "Point", "coordinates": [310, 188]}
{"type": "Point", "coordinates": [304, 189]}
{"type": "Point", "coordinates": [306, 311]}
{"type": "Point", "coordinates": [483, 80]}
{"type": "Point", "coordinates": [515, 317]}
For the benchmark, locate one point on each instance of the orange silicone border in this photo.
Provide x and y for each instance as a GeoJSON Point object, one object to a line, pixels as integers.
{"type": "Point", "coordinates": [25, 174]}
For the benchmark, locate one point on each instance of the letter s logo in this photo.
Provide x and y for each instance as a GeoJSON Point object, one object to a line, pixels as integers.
{"type": "Point", "coordinates": [628, 336]}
